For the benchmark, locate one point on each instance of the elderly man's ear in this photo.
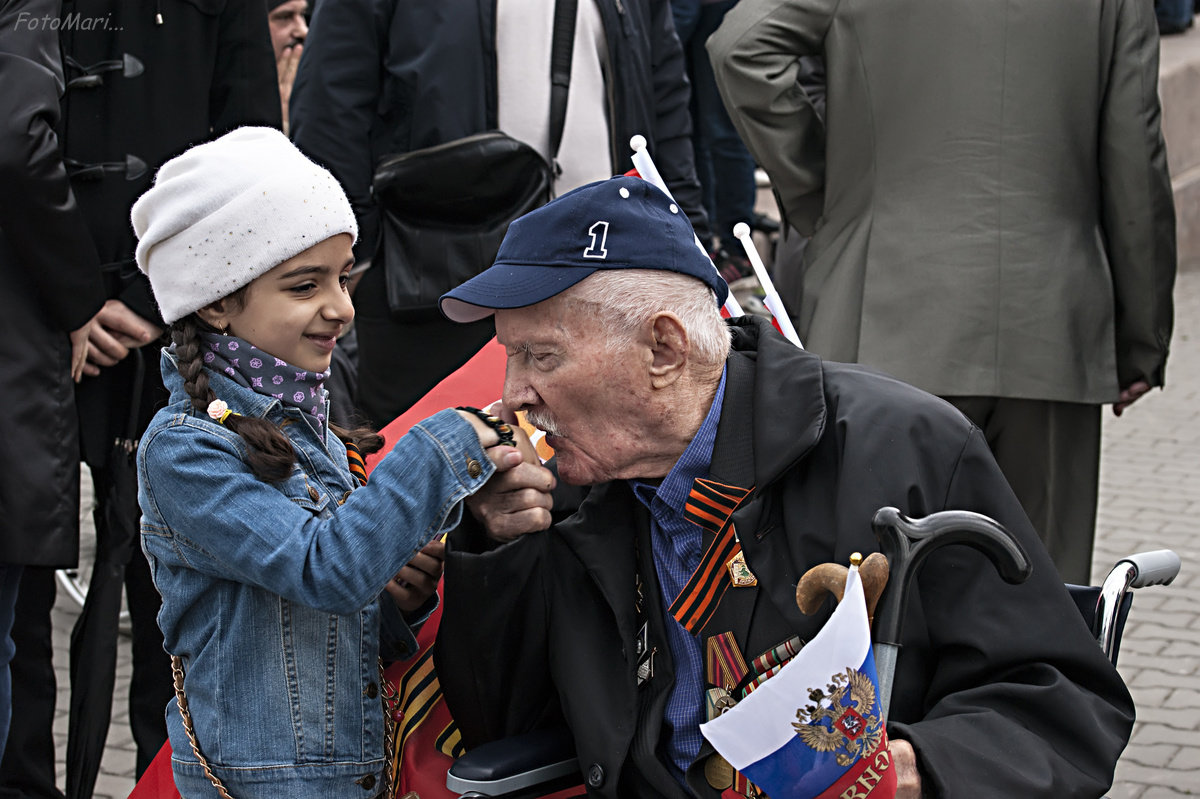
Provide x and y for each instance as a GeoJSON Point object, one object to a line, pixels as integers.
{"type": "Point", "coordinates": [669, 350]}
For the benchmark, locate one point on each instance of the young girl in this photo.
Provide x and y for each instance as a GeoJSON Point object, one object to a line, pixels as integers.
{"type": "Point", "coordinates": [270, 557]}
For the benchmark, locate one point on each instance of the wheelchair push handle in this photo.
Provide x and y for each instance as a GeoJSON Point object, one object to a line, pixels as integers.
{"type": "Point", "coordinates": [1158, 567]}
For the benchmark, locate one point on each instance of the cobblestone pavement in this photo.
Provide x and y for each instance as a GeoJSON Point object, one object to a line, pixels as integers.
{"type": "Point", "coordinates": [1149, 499]}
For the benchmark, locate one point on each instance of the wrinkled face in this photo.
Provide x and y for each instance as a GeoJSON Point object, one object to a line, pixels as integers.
{"type": "Point", "coordinates": [585, 395]}
{"type": "Point", "coordinates": [297, 310]}
{"type": "Point", "coordinates": [288, 25]}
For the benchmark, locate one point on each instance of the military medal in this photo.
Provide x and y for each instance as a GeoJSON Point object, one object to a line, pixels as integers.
{"type": "Point", "coordinates": [645, 669]}
{"type": "Point", "coordinates": [716, 702]}
{"type": "Point", "coordinates": [718, 773]}
{"type": "Point", "coordinates": [740, 575]}
{"type": "Point", "coordinates": [644, 654]}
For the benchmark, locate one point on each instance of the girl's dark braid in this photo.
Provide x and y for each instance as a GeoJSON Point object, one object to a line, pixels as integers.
{"type": "Point", "coordinates": [188, 355]}
{"type": "Point", "coordinates": [269, 453]}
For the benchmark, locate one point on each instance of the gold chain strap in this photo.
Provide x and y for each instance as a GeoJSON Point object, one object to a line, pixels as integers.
{"type": "Point", "coordinates": [391, 766]}
{"type": "Point", "coordinates": [390, 701]}
{"type": "Point", "coordinates": [186, 715]}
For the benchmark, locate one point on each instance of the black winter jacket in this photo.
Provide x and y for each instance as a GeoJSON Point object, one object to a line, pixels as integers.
{"type": "Point", "coordinates": [52, 286]}
{"type": "Point", "coordinates": [381, 77]}
{"type": "Point", "coordinates": [1001, 689]}
{"type": "Point", "coordinates": [207, 69]}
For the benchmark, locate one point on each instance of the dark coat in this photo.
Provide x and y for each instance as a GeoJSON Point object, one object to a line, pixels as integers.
{"type": "Point", "coordinates": [207, 69]}
{"type": "Point", "coordinates": [1001, 689]}
{"type": "Point", "coordinates": [380, 77]}
{"type": "Point", "coordinates": [50, 272]}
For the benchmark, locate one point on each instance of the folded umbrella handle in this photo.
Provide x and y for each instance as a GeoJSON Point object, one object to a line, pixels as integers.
{"type": "Point", "coordinates": [907, 542]}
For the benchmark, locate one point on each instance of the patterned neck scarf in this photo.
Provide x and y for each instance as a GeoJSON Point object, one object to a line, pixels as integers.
{"type": "Point", "coordinates": [259, 371]}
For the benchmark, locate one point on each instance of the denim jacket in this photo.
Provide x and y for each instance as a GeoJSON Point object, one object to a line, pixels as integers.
{"type": "Point", "coordinates": [271, 592]}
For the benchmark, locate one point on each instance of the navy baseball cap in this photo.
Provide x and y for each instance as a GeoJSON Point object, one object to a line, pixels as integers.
{"type": "Point", "coordinates": [620, 223]}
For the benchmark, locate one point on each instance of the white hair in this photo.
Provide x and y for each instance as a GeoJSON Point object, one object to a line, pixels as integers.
{"type": "Point", "coordinates": [622, 300]}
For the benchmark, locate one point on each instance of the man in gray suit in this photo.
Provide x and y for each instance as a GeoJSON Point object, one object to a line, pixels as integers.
{"type": "Point", "coordinates": [991, 212]}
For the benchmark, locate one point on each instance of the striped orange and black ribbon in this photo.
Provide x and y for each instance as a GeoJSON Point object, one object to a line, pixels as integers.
{"type": "Point", "coordinates": [709, 505]}
{"type": "Point", "coordinates": [358, 466]}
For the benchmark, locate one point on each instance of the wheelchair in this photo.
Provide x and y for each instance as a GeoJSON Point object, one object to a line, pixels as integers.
{"type": "Point", "coordinates": [541, 762]}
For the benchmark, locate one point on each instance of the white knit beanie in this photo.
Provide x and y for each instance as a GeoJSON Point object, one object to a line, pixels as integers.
{"type": "Point", "coordinates": [227, 211]}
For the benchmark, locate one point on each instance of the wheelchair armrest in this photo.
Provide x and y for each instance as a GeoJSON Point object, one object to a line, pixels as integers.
{"type": "Point", "coordinates": [510, 767]}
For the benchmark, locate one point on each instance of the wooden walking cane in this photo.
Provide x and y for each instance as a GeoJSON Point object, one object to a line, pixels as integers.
{"type": "Point", "coordinates": [830, 578]}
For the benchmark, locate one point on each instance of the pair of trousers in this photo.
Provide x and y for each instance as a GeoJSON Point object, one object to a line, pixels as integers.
{"type": "Point", "coordinates": [10, 581]}
{"type": "Point", "coordinates": [27, 770]}
{"type": "Point", "coordinates": [1050, 454]}
{"type": "Point", "coordinates": [723, 164]}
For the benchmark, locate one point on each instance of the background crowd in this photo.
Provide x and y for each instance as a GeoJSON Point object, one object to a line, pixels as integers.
{"type": "Point", "coordinates": [1029, 314]}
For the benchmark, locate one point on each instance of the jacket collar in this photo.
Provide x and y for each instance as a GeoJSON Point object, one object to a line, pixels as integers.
{"type": "Point", "coordinates": [239, 398]}
{"type": "Point", "coordinates": [772, 416]}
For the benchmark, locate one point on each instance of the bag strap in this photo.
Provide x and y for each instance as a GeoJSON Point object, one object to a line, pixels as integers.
{"type": "Point", "coordinates": [561, 52]}
{"type": "Point", "coordinates": [391, 778]}
{"type": "Point", "coordinates": [185, 714]}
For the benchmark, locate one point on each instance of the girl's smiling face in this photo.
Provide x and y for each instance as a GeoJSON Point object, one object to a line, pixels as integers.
{"type": "Point", "coordinates": [297, 310]}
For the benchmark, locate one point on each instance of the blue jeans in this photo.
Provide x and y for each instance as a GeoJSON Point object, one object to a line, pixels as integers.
{"type": "Point", "coordinates": [723, 164]}
{"type": "Point", "coordinates": [10, 579]}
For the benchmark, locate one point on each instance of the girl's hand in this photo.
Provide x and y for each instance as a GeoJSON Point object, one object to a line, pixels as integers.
{"type": "Point", "coordinates": [417, 581]}
{"type": "Point", "coordinates": [504, 457]}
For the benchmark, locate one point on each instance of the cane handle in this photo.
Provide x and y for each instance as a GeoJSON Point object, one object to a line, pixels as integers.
{"type": "Point", "coordinates": [830, 578]}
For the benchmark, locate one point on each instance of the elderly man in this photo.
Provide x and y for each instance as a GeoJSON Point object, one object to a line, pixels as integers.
{"type": "Point", "coordinates": [609, 315]}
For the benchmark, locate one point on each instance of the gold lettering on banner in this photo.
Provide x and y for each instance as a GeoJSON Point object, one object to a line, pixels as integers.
{"type": "Point", "coordinates": [865, 784]}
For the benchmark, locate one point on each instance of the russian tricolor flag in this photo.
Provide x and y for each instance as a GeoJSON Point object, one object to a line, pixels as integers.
{"type": "Point", "coordinates": [816, 728]}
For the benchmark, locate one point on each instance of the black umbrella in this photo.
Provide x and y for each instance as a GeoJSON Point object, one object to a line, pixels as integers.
{"type": "Point", "coordinates": [94, 637]}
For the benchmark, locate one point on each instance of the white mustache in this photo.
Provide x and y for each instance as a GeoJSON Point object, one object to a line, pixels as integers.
{"type": "Point", "coordinates": [544, 423]}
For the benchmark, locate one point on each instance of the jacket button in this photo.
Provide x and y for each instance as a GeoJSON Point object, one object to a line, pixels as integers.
{"type": "Point", "coordinates": [595, 775]}
{"type": "Point", "coordinates": [473, 467]}
{"type": "Point", "coordinates": [345, 497]}
{"type": "Point", "coordinates": [372, 690]}
{"type": "Point", "coordinates": [367, 782]}
{"type": "Point", "coordinates": [312, 494]}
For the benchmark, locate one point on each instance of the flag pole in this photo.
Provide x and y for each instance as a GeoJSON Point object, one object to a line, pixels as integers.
{"type": "Point", "coordinates": [649, 172]}
{"type": "Point", "coordinates": [774, 303]}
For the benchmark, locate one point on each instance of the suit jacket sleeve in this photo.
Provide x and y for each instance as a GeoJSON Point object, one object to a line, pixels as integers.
{"type": "Point", "coordinates": [334, 98]}
{"type": "Point", "coordinates": [755, 57]}
{"type": "Point", "coordinates": [1138, 209]}
{"type": "Point", "coordinates": [1018, 700]}
{"type": "Point", "coordinates": [38, 214]}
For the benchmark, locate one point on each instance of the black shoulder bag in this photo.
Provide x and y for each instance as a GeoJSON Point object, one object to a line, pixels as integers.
{"type": "Point", "coordinates": [445, 209]}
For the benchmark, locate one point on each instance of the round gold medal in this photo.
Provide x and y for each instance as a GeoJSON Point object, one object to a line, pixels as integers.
{"type": "Point", "coordinates": [718, 772]}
